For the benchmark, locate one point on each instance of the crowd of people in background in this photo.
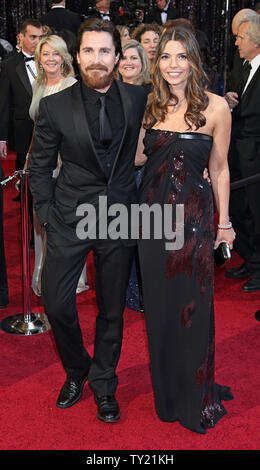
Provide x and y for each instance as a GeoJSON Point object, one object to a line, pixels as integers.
{"type": "Point", "coordinates": [52, 59]}
{"type": "Point", "coordinates": [134, 67]}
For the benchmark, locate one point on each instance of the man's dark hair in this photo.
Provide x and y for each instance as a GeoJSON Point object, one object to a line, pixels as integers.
{"type": "Point", "coordinates": [100, 26]}
{"type": "Point", "coordinates": [29, 22]}
{"type": "Point", "coordinates": [143, 28]}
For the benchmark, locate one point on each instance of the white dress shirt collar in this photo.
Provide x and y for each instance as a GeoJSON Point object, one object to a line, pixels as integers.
{"type": "Point", "coordinates": [255, 63]}
{"type": "Point", "coordinates": [164, 13]}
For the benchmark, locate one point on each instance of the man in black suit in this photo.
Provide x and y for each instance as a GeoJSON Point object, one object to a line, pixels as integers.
{"type": "Point", "coordinates": [104, 11]}
{"type": "Point", "coordinates": [97, 166]}
{"type": "Point", "coordinates": [234, 77]}
{"type": "Point", "coordinates": [60, 18]}
{"type": "Point", "coordinates": [244, 156]}
{"type": "Point", "coordinates": [164, 11]}
{"type": "Point", "coordinates": [17, 74]}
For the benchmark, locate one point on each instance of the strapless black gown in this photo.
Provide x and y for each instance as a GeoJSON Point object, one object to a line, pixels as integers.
{"type": "Point", "coordinates": [178, 284]}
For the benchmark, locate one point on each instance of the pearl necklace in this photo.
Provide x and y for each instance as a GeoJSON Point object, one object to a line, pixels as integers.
{"type": "Point", "coordinates": [177, 105]}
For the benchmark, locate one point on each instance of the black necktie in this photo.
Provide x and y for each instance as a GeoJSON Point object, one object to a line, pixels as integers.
{"type": "Point", "coordinates": [104, 124]}
{"type": "Point", "coordinates": [245, 74]}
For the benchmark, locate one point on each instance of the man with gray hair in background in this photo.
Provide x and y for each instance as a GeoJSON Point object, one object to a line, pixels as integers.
{"type": "Point", "coordinates": [235, 74]}
{"type": "Point", "coordinates": [244, 156]}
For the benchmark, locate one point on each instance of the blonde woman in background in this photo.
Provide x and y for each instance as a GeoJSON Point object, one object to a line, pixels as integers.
{"type": "Point", "coordinates": [55, 73]}
{"type": "Point", "coordinates": [134, 66]}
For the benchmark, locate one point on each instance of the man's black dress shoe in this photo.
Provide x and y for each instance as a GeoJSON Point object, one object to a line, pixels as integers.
{"type": "Point", "coordinates": [238, 273]}
{"type": "Point", "coordinates": [71, 392]}
{"type": "Point", "coordinates": [252, 285]}
{"type": "Point", "coordinates": [108, 409]}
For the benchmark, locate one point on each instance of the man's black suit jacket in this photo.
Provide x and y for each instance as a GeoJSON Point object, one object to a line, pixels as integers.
{"type": "Point", "coordinates": [234, 76]}
{"type": "Point", "coordinates": [155, 16]}
{"type": "Point", "coordinates": [15, 100]}
{"type": "Point", "coordinates": [61, 18]}
{"type": "Point", "coordinates": [245, 137]}
{"type": "Point", "coordinates": [62, 127]}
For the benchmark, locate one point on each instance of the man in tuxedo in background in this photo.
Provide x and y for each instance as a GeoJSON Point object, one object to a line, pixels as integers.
{"type": "Point", "coordinates": [244, 156]}
{"type": "Point", "coordinates": [105, 12]}
{"type": "Point", "coordinates": [17, 74]}
{"type": "Point", "coordinates": [97, 142]}
{"type": "Point", "coordinates": [233, 82]}
{"type": "Point", "coordinates": [60, 18]}
{"type": "Point", "coordinates": [164, 11]}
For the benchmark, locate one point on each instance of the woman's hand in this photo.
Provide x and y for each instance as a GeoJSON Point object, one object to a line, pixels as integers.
{"type": "Point", "coordinates": [3, 150]}
{"type": "Point", "coordinates": [227, 236]}
{"type": "Point", "coordinates": [232, 99]}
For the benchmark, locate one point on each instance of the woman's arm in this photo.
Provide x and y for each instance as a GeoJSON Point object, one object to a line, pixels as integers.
{"type": "Point", "coordinates": [140, 157]}
{"type": "Point", "coordinates": [219, 170]}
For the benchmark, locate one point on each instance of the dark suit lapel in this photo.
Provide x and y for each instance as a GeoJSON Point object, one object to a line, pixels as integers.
{"type": "Point", "coordinates": [251, 87]}
{"type": "Point", "coordinates": [127, 108]}
{"type": "Point", "coordinates": [23, 76]}
{"type": "Point", "coordinates": [158, 17]}
{"type": "Point", "coordinates": [82, 130]}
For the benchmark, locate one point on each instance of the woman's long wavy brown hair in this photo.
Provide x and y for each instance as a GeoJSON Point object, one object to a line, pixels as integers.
{"type": "Point", "coordinates": [195, 91]}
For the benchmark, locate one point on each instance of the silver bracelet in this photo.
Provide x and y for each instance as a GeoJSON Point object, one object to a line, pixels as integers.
{"type": "Point", "coordinates": [225, 227]}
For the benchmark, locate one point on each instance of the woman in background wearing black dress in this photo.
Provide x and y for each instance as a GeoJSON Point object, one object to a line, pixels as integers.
{"type": "Point", "coordinates": [187, 128]}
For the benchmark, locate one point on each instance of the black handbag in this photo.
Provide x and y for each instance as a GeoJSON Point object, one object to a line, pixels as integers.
{"type": "Point", "coordinates": [222, 254]}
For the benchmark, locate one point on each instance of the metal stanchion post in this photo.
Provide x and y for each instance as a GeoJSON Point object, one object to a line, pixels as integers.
{"type": "Point", "coordinates": [26, 323]}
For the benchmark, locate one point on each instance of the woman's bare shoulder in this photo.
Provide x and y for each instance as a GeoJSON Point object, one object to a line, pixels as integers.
{"type": "Point", "coordinates": [217, 103]}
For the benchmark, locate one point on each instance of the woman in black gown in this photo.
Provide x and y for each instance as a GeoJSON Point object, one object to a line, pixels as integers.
{"type": "Point", "coordinates": [187, 128]}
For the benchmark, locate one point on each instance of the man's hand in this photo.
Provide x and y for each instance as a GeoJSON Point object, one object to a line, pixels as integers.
{"type": "Point", "coordinates": [140, 160]}
{"type": "Point", "coordinates": [232, 99]}
{"type": "Point", "coordinates": [3, 150]}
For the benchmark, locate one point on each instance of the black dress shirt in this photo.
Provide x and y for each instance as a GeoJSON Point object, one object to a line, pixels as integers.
{"type": "Point", "coordinates": [115, 114]}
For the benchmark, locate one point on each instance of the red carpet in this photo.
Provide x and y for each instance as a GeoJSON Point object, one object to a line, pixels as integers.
{"type": "Point", "coordinates": [31, 374]}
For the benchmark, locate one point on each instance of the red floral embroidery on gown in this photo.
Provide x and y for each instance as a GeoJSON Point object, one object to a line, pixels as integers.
{"type": "Point", "coordinates": [178, 284]}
